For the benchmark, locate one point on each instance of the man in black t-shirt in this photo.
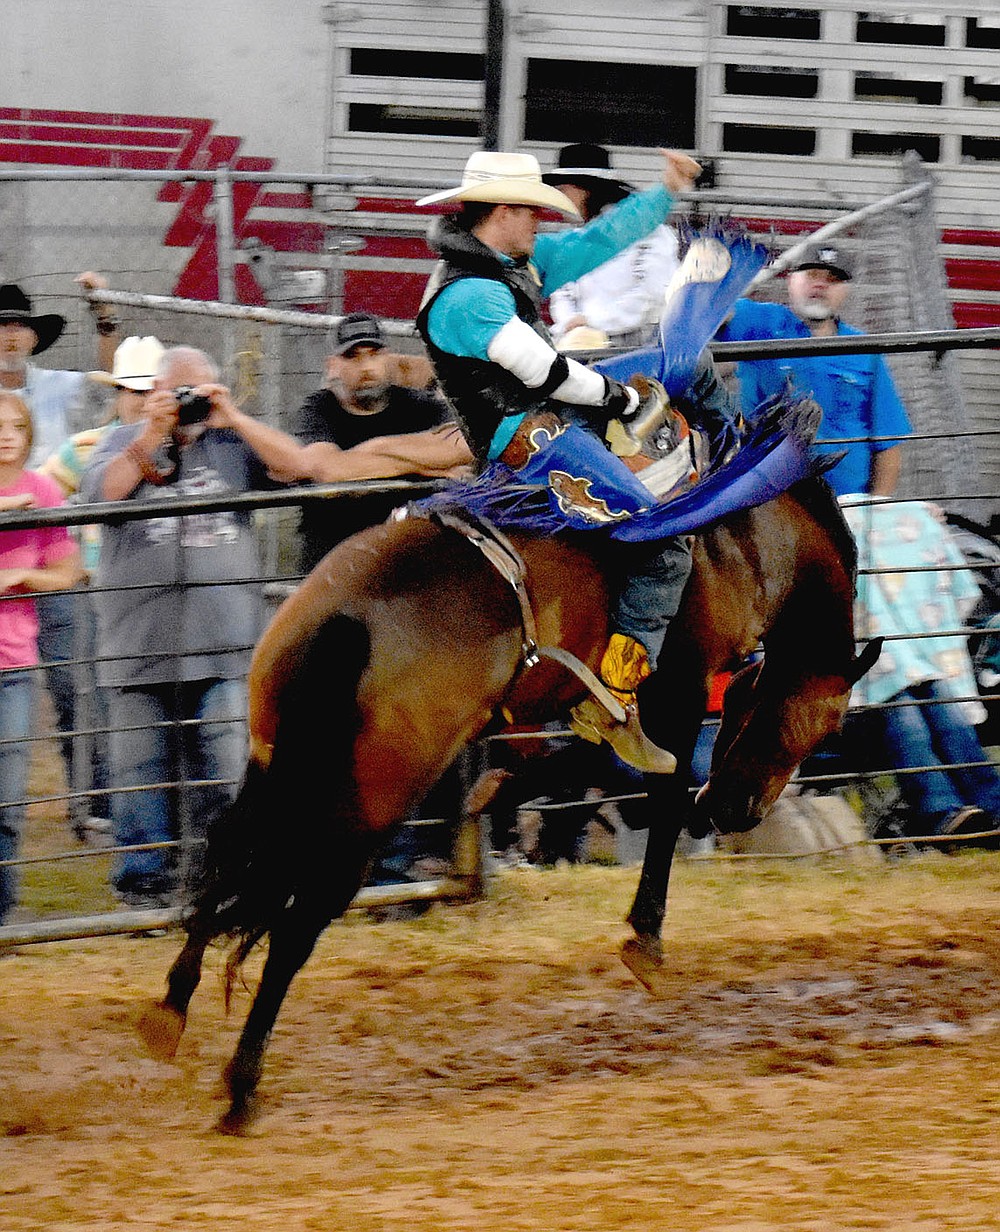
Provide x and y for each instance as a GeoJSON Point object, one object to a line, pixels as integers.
{"type": "Point", "coordinates": [362, 426]}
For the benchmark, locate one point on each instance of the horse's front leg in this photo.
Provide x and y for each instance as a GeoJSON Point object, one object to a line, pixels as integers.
{"type": "Point", "coordinates": [292, 941]}
{"type": "Point", "coordinates": [643, 953]}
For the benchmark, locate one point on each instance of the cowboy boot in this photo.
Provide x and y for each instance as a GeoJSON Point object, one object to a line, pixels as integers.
{"type": "Point", "coordinates": [624, 666]}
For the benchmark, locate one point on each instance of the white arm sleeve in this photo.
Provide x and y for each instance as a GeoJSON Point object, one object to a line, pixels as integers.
{"type": "Point", "coordinates": [529, 357]}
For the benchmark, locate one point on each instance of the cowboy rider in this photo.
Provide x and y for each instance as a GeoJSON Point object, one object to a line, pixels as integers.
{"type": "Point", "coordinates": [481, 321]}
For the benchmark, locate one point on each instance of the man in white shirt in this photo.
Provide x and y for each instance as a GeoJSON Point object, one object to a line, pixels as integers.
{"type": "Point", "coordinates": [623, 298]}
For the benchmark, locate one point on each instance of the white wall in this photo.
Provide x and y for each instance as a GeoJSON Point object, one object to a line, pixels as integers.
{"type": "Point", "coordinates": [258, 68]}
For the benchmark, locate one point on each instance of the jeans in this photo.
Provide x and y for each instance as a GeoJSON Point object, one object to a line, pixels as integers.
{"type": "Point", "coordinates": [55, 648]}
{"type": "Point", "coordinates": [67, 629]}
{"type": "Point", "coordinates": [938, 734]}
{"type": "Point", "coordinates": [142, 753]}
{"type": "Point", "coordinates": [651, 595]}
{"type": "Point", "coordinates": [17, 695]}
{"type": "Point", "coordinates": [90, 752]}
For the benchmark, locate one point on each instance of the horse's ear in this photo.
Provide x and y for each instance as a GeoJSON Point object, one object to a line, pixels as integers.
{"type": "Point", "coordinates": [865, 660]}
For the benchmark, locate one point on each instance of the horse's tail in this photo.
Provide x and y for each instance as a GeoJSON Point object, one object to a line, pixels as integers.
{"type": "Point", "coordinates": [279, 837]}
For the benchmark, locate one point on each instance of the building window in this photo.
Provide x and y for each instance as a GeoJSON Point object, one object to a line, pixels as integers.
{"type": "Point", "coordinates": [765, 139]}
{"type": "Point", "coordinates": [890, 88]}
{"type": "Point", "coordinates": [610, 103]}
{"type": "Point", "coordinates": [923, 31]}
{"type": "Point", "coordinates": [982, 32]}
{"type": "Point", "coordinates": [438, 65]}
{"type": "Point", "coordinates": [894, 145]}
{"type": "Point", "coordinates": [984, 91]}
{"type": "Point", "coordinates": [772, 82]}
{"type": "Point", "coordinates": [980, 150]}
{"type": "Point", "coordinates": [768, 21]}
{"type": "Point", "coordinates": [402, 118]}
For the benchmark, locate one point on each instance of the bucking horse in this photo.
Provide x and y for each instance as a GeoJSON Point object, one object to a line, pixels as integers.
{"type": "Point", "coordinates": [410, 639]}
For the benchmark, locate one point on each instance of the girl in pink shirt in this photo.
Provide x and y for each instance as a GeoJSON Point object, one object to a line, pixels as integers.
{"type": "Point", "coordinates": [45, 558]}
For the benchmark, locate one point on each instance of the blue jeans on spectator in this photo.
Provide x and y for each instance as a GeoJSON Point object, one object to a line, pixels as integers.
{"type": "Point", "coordinates": [938, 733]}
{"type": "Point", "coordinates": [141, 752]}
{"type": "Point", "coordinates": [91, 716]}
{"type": "Point", "coordinates": [67, 630]}
{"type": "Point", "coordinates": [55, 648]}
{"type": "Point", "coordinates": [17, 695]}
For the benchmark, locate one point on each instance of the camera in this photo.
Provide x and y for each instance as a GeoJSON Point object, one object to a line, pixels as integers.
{"type": "Point", "coordinates": [192, 408]}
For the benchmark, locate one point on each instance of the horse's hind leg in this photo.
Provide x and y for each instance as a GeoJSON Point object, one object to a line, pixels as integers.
{"type": "Point", "coordinates": [161, 1025]}
{"type": "Point", "coordinates": [292, 940]}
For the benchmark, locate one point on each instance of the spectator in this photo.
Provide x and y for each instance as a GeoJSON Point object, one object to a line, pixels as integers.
{"type": "Point", "coordinates": [481, 320]}
{"type": "Point", "coordinates": [927, 683]}
{"type": "Point", "coordinates": [855, 392]}
{"type": "Point", "coordinates": [42, 559]}
{"type": "Point", "coordinates": [176, 630]}
{"type": "Point", "coordinates": [56, 400]}
{"type": "Point", "coordinates": [364, 426]}
{"type": "Point", "coordinates": [132, 371]}
{"type": "Point", "coordinates": [623, 298]}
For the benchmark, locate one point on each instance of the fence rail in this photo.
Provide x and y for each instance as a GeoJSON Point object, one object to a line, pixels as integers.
{"type": "Point", "coordinates": [275, 354]}
{"type": "Point", "coordinates": [462, 882]}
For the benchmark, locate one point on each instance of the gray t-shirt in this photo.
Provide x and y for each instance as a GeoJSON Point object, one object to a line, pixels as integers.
{"type": "Point", "coordinates": [164, 625]}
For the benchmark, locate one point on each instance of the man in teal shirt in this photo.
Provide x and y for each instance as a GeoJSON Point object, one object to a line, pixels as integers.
{"type": "Point", "coordinates": [481, 320]}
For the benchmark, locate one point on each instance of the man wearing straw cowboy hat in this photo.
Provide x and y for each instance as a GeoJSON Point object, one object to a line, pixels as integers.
{"type": "Point", "coordinates": [131, 377]}
{"type": "Point", "coordinates": [481, 321]}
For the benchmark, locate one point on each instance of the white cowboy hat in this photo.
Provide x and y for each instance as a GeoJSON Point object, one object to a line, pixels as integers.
{"type": "Point", "coordinates": [505, 179]}
{"type": "Point", "coordinates": [135, 364]}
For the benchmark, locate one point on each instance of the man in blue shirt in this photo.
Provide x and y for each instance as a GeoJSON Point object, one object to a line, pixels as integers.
{"type": "Point", "coordinates": [855, 392]}
{"type": "Point", "coordinates": [481, 320]}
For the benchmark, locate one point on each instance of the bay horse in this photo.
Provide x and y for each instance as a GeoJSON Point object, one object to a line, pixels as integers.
{"type": "Point", "coordinates": [403, 645]}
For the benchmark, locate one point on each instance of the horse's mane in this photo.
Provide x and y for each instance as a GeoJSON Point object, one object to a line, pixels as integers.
{"type": "Point", "coordinates": [816, 496]}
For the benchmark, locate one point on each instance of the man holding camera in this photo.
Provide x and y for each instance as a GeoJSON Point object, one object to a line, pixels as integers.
{"type": "Point", "coordinates": [178, 613]}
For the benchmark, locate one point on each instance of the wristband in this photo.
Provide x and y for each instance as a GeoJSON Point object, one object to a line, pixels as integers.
{"type": "Point", "coordinates": [134, 453]}
{"type": "Point", "coordinates": [106, 326]}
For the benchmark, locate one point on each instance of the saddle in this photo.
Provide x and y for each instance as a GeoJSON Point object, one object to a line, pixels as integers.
{"type": "Point", "coordinates": [507, 561]}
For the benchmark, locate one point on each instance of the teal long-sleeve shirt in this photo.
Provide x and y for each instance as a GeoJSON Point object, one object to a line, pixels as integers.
{"type": "Point", "coordinates": [468, 314]}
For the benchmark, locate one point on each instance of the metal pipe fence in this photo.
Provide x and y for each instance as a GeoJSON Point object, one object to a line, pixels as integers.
{"type": "Point", "coordinates": [274, 356]}
{"type": "Point", "coordinates": [277, 583]}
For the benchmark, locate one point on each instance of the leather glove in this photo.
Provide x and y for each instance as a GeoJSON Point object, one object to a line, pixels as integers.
{"type": "Point", "coordinates": [629, 435]}
{"type": "Point", "coordinates": [620, 401]}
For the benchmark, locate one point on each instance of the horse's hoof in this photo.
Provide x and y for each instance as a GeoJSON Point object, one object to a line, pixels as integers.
{"type": "Point", "coordinates": [644, 958]}
{"type": "Point", "coordinates": [238, 1119]}
{"type": "Point", "coordinates": [161, 1028]}
{"type": "Point", "coordinates": [483, 790]}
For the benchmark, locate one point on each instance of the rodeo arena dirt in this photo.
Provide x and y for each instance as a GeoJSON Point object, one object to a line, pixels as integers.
{"type": "Point", "coordinates": [465, 1048]}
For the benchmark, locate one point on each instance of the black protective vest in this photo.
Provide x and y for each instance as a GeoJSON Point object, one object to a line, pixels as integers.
{"type": "Point", "coordinates": [480, 392]}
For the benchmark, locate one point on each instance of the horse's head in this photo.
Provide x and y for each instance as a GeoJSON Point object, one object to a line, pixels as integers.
{"type": "Point", "coordinates": [771, 721]}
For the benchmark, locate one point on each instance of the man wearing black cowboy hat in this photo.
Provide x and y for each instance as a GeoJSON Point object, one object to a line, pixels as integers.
{"type": "Point", "coordinates": [855, 392]}
{"type": "Point", "coordinates": [619, 302]}
{"type": "Point", "coordinates": [55, 399]}
{"type": "Point", "coordinates": [53, 396]}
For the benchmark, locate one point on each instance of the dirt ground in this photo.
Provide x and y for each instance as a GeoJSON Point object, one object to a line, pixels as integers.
{"type": "Point", "coordinates": [821, 1056]}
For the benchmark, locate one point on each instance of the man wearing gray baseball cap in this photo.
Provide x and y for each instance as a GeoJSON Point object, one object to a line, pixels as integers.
{"type": "Point", "coordinates": [855, 392]}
